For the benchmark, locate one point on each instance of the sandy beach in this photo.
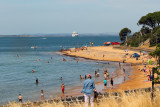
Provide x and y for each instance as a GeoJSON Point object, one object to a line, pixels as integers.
{"type": "Point", "coordinates": [138, 79]}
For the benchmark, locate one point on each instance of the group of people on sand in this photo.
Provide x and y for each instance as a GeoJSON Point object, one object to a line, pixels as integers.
{"type": "Point", "coordinates": [106, 76]}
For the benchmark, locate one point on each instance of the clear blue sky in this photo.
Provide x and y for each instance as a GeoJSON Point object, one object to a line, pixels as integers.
{"type": "Point", "coordinates": [66, 16]}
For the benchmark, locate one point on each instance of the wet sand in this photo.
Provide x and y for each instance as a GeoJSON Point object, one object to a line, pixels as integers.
{"type": "Point", "coordinates": [138, 79]}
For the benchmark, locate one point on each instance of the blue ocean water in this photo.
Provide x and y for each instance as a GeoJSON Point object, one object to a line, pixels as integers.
{"type": "Point", "coordinates": [17, 60]}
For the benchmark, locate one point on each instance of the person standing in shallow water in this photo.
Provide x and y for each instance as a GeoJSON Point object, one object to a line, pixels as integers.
{"type": "Point", "coordinates": [88, 90]}
{"type": "Point", "coordinates": [42, 95]}
{"type": "Point", "coordinates": [37, 81]}
{"type": "Point", "coordinates": [62, 87]}
{"type": "Point", "coordinates": [105, 83]}
{"type": "Point", "coordinates": [85, 77]}
{"type": "Point", "coordinates": [111, 83]}
{"type": "Point", "coordinates": [20, 98]}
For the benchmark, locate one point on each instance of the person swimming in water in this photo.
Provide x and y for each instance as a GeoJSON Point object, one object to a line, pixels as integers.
{"type": "Point", "coordinates": [32, 71]}
{"type": "Point", "coordinates": [77, 60]}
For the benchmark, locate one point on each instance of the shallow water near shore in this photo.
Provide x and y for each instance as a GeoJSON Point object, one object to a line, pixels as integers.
{"type": "Point", "coordinates": [17, 60]}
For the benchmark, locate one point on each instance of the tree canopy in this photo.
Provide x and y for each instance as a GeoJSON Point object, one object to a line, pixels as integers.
{"type": "Point", "coordinates": [151, 20]}
{"type": "Point", "coordinates": [123, 33]}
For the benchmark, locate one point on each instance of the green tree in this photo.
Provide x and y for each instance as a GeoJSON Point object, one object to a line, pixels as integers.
{"type": "Point", "coordinates": [151, 20]}
{"type": "Point", "coordinates": [156, 55]}
{"type": "Point", "coordinates": [124, 33]}
{"type": "Point", "coordinates": [155, 37]}
{"type": "Point", "coordinates": [145, 30]}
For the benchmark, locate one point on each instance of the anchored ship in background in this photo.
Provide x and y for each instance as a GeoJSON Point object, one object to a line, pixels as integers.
{"type": "Point", "coordinates": [75, 34]}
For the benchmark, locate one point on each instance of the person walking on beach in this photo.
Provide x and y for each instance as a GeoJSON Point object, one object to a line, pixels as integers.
{"type": "Point", "coordinates": [105, 83]}
{"type": "Point", "coordinates": [111, 83]}
{"type": "Point", "coordinates": [62, 87]}
{"type": "Point", "coordinates": [42, 95]}
{"type": "Point", "coordinates": [88, 90]}
{"type": "Point", "coordinates": [20, 98]}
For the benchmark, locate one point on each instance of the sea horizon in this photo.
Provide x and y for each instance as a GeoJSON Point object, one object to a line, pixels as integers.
{"type": "Point", "coordinates": [58, 35]}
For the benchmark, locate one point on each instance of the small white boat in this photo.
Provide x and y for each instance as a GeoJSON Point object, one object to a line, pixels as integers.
{"type": "Point", "coordinates": [44, 38]}
{"type": "Point", "coordinates": [33, 47]}
{"type": "Point", "coordinates": [75, 34]}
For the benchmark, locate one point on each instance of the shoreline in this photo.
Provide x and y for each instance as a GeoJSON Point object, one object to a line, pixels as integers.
{"type": "Point", "coordinates": [76, 90]}
{"type": "Point", "coordinates": [136, 80]}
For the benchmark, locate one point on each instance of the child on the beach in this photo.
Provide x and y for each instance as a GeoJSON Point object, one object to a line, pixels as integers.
{"type": "Point", "coordinates": [20, 98]}
{"type": "Point", "coordinates": [42, 95]}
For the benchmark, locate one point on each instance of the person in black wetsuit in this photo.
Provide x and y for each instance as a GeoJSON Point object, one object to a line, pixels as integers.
{"type": "Point", "coordinates": [111, 83]}
{"type": "Point", "coordinates": [37, 81]}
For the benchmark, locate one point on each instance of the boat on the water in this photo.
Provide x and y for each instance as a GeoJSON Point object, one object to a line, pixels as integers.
{"type": "Point", "coordinates": [33, 47]}
{"type": "Point", "coordinates": [75, 34]}
{"type": "Point", "coordinates": [44, 38]}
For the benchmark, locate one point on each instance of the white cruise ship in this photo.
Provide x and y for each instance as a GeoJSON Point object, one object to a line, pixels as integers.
{"type": "Point", "coordinates": [74, 34]}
